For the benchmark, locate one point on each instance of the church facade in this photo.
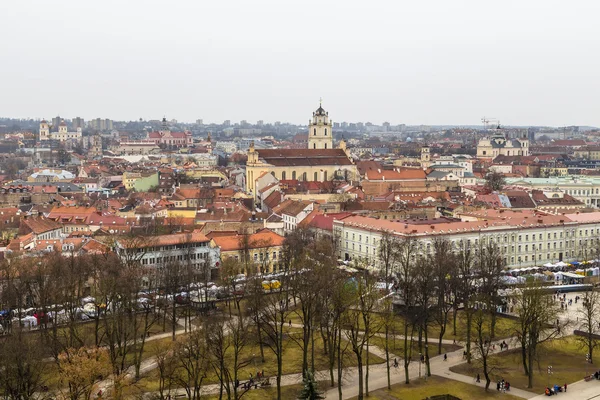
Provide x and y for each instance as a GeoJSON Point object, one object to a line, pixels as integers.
{"type": "Point", "coordinates": [320, 162]}
{"type": "Point", "coordinates": [500, 145]}
{"type": "Point", "coordinates": [62, 135]}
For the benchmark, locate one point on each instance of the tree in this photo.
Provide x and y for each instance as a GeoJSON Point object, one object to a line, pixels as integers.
{"type": "Point", "coordinates": [590, 321]}
{"type": "Point", "coordinates": [538, 322]}
{"type": "Point", "coordinates": [407, 258]}
{"type": "Point", "coordinates": [167, 368]}
{"type": "Point", "coordinates": [191, 355]}
{"type": "Point", "coordinates": [494, 181]}
{"type": "Point", "coordinates": [81, 369]}
{"type": "Point", "coordinates": [358, 315]}
{"type": "Point", "coordinates": [22, 372]}
{"type": "Point", "coordinates": [310, 391]}
{"type": "Point", "coordinates": [443, 264]}
{"type": "Point", "coordinates": [465, 289]}
{"type": "Point", "coordinates": [273, 317]}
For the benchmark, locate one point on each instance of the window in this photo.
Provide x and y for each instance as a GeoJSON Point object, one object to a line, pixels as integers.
{"type": "Point", "coordinates": [314, 145]}
{"type": "Point", "coordinates": [325, 131]}
{"type": "Point", "coordinates": [315, 132]}
{"type": "Point", "coordinates": [255, 257]}
{"type": "Point", "coordinates": [283, 175]}
{"type": "Point", "coordinates": [304, 176]}
{"type": "Point", "coordinates": [325, 176]}
{"type": "Point", "coordinates": [294, 175]}
{"type": "Point", "coordinates": [316, 177]}
{"type": "Point", "coordinates": [325, 145]}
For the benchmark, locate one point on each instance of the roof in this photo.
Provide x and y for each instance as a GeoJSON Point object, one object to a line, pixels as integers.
{"type": "Point", "coordinates": [39, 225]}
{"type": "Point", "coordinates": [304, 157]}
{"type": "Point", "coordinates": [261, 239]}
{"type": "Point", "coordinates": [325, 221]}
{"type": "Point", "coordinates": [291, 207]}
{"type": "Point", "coordinates": [395, 175]}
{"type": "Point", "coordinates": [163, 240]}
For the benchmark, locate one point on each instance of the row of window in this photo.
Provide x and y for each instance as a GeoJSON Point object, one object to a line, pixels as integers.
{"type": "Point", "coordinates": [180, 257]}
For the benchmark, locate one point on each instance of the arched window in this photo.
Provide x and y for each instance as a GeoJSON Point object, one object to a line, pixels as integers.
{"type": "Point", "coordinates": [304, 176]}
{"type": "Point", "coordinates": [273, 173]}
{"type": "Point", "coordinates": [316, 176]}
{"type": "Point", "coordinates": [293, 174]}
{"type": "Point", "coordinates": [325, 131]}
{"type": "Point", "coordinates": [325, 145]}
{"type": "Point", "coordinates": [314, 145]}
{"type": "Point", "coordinates": [325, 176]}
{"type": "Point", "coordinates": [315, 132]}
{"type": "Point", "coordinates": [283, 175]}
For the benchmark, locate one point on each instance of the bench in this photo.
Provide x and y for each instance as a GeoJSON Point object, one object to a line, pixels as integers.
{"type": "Point", "coordinates": [588, 378]}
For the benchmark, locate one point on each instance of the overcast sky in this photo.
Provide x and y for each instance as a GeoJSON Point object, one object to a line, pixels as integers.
{"type": "Point", "coordinates": [415, 62]}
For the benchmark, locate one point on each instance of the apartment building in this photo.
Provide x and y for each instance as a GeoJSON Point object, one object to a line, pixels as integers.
{"type": "Point", "coordinates": [525, 238]}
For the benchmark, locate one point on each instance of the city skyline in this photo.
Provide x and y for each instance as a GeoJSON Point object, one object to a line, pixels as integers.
{"type": "Point", "coordinates": [431, 64]}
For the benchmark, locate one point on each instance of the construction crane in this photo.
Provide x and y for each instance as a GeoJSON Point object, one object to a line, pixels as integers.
{"type": "Point", "coordinates": [486, 122]}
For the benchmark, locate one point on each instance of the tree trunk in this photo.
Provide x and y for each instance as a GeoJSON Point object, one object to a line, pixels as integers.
{"type": "Point", "coordinates": [367, 364]}
{"type": "Point", "coordinates": [387, 356]}
{"type": "Point", "coordinates": [469, 322]}
{"type": "Point", "coordinates": [339, 366]}
{"type": "Point", "coordinates": [360, 375]}
{"type": "Point", "coordinates": [406, 359]}
{"type": "Point", "coordinates": [427, 365]}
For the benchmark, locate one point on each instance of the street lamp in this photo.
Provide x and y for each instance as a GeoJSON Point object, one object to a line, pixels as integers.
{"type": "Point", "coordinates": [549, 373]}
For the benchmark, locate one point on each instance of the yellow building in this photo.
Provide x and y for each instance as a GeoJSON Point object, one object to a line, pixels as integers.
{"type": "Point", "coordinates": [319, 163]}
{"type": "Point", "coordinates": [260, 250]}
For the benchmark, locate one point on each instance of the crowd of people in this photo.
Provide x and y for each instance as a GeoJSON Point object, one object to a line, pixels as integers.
{"type": "Point", "coordinates": [556, 389]}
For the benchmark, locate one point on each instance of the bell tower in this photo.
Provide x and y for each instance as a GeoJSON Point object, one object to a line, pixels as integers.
{"type": "Point", "coordinates": [320, 130]}
{"type": "Point", "coordinates": [44, 130]}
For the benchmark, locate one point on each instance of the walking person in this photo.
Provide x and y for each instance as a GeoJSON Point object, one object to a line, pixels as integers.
{"type": "Point", "coordinates": [478, 379]}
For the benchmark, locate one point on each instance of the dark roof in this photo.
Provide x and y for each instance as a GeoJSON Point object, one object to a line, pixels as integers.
{"type": "Point", "coordinates": [320, 111]}
{"type": "Point", "coordinates": [304, 157]}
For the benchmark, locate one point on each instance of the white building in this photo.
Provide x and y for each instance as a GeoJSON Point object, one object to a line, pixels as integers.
{"type": "Point", "coordinates": [160, 251]}
{"type": "Point", "coordinates": [525, 238]}
{"type": "Point", "coordinates": [62, 135]}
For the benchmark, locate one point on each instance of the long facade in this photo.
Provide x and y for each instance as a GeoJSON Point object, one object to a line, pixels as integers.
{"type": "Point", "coordinates": [531, 241]}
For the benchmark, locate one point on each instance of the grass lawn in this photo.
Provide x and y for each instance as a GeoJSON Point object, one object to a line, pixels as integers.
{"type": "Point", "coordinates": [504, 327]}
{"type": "Point", "coordinates": [292, 361]}
{"type": "Point", "coordinates": [397, 347]}
{"type": "Point", "coordinates": [565, 356]}
{"type": "Point", "coordinates": [287, 392]}
{"type": "Point", "coordinates": [420, 389]}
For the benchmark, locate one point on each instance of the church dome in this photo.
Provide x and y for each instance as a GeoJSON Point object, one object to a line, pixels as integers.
{"type": "Point", "coordinates": [320, 111]}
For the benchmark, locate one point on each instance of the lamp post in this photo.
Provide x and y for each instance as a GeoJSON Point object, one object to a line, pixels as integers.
{"type": "Point", "coordinates": [549, 373]}
{"type": "Point", "coordinates": [420, 362]}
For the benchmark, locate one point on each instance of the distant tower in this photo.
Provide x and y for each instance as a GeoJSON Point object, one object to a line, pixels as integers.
{"type": "Point", "coordinates": [319, 130]}
{"type": "Point", "coordinates": [208, 137]}
{"type": "Point", "coordinates": [425, 155]}
{"type": "Point", "coordinates": [44, 130]}
{"type": "Point", "coordinates": [96, 147]}
{"type": "Point", "coordinates": [62, 127]}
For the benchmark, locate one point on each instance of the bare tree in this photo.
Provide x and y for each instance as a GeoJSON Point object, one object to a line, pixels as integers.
{"type": "Point", "coordinates": [407, 258]}
{"type": "Point", "coordinates": [191, 355]}
{"type": "Point", "coordinates": [590, 322]}
{"type": "Point", "coordinates": [22, 372]}
{"type": "Point", "coordinates": [537, 312]}
{"type": "Point", "coordinates": [273, 317]}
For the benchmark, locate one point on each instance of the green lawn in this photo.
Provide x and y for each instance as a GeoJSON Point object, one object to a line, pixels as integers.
{"type": "Point", "coordinates": [565, 356]}
{"type": "Point", "coordinates": [397, 347]}
{"type": "Point", "coordinates": [420, 389]}
{"type": "Point", "coordinates": [292, 361]}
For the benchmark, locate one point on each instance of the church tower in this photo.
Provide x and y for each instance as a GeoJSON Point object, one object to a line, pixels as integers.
{"type": "Point", "coordinates": [425, 157]}
{"type": "Point", "coordinates": [319, 130]}
{"type": "Point", "coordinates": [96, 147]}
{"type": "Point", "coordinates": [62, 127]}
{"type": "Point", "coordinates": [44, 130]}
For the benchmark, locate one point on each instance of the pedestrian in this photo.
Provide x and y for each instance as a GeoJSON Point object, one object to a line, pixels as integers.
{"type": "Point", "coordinates": [478, 379]}
{"type": "Point", "coordinates": [290, 324]}
{"type": "Point", "coordinates": [445, 357]}
{"type": "Point", "coordinates": [565, 387]}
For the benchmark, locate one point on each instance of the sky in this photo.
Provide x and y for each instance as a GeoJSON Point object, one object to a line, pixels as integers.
{"type": "Point", "coordinates": [534, 62]}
